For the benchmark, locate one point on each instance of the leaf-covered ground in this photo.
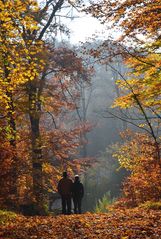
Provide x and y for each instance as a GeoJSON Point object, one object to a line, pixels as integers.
{"type": "Point", "coordinates": [126, 224]}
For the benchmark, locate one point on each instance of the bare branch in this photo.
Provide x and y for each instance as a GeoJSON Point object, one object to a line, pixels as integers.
{"type": "Point", "coordinates": [52, 119]}
{"type": "Point", "coordinates": [55, 9]}
{"type": "Point", "coordinates": [126, 120]}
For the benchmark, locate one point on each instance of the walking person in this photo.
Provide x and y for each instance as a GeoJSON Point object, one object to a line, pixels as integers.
{"type": "Point", "coordinates": [77, 194]}
{"type": "Point", "coordinates": [65, 190]}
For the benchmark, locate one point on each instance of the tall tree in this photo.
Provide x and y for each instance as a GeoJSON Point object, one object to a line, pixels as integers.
{"type": "Point", "coordinates": [15, 70]}
{"type": "Point", "coordinates": [139, 25]}
{"type": "Point", "coordinates": [46, 17]}
{"type": "Point", "coordinates": [141, 55]}
{"type": "Point", "coordinates": [36, 84]}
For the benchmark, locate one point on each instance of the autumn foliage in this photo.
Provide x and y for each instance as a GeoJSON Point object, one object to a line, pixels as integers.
{"type": "Point", "coordinates": [138, 91]}
{"type": "Point", "coordinates": [41, 128]}
{"type": "Point", "coordinates": [39, 92]}
{"type": "Point", "coordinates": [42, 131]}
{"type": "Point", "coordinates": [124, 224]}
{"type": "Point", "coordinates": [138, 156]}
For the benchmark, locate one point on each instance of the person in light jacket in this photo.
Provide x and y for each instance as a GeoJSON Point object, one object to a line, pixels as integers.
{"type": "Point", "coordinates": [77, 194]}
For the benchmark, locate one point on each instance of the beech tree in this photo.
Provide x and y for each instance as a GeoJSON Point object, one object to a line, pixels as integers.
{"type": "Point", "coordinates": [16, 69]}
{"type": "Point", "coordinates": [45, 18]}
{"type": "Point", "coordinates": [139, 89]}
{"type": "Point", "coordinates": [29, 95]}
{"type": "Point", "coordinates": [139, 24]}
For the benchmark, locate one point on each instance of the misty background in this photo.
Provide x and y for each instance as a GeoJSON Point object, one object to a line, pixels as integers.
{"type": "Point", "coordinates": [104, 177]}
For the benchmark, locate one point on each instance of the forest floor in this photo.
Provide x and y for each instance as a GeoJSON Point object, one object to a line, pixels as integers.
{"type": "Point", "coordinates": [123, 224]}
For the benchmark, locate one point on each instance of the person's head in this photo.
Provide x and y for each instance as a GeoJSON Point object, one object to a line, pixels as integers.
{"type": "Point", "coordinates": [65, 174]}
{"type": "Point", "coordinates": [76, 178]}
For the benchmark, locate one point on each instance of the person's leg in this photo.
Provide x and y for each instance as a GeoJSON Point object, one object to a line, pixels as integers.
{"type": "Point", "coordinates": [75, 204]}
{"type": "Point", "coordinates": [79, 205]}
{"type": "Point", "coordinates": [69, 204]}
{"type": "Point", "coordinates": [63, 205]}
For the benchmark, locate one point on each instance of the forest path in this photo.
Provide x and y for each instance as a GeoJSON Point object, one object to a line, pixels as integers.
{"type": "Point", "coordinates": [122, 224]}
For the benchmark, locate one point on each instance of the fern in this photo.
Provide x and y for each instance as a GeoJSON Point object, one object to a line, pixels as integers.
{"type": "Point", "coordinates": [103, 203]}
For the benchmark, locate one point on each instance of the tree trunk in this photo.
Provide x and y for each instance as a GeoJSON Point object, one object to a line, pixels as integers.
{"type": "Point", "coordinates": [37, 158]}
{"type": "Point", "coordinates": [11, 200]}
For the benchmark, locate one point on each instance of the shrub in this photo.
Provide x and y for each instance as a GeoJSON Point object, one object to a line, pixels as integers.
{"type": "Point", "coordinates": [151, 205]}
{"type": "Point", "coordinates": [6, 216]}
{"type": "Point", "coordinates": [103, 203]}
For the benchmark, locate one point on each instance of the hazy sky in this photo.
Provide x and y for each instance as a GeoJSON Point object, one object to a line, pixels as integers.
{"type": "Point", "coordinates": [84, 27]}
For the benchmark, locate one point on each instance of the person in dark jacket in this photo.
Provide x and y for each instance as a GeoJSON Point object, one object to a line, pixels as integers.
{"type": "Point", "coordinates": [77, 194]}
{"type": "Point", "coordinates": [65, 190]}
